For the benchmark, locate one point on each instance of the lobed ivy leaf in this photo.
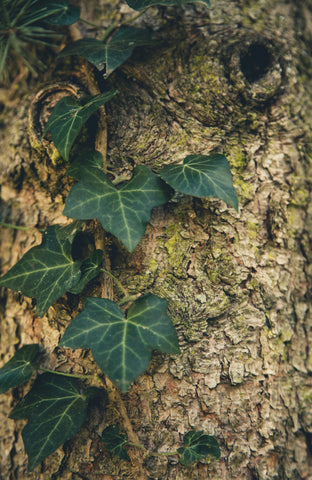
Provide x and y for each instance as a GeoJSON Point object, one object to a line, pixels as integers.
{"type": "Point", "coordinates": [115, 441]}
{"type": "Point", "coordinates": [47, 271]}
{"type": "Point", "coordinates": [90, 268]}
{"type": "Point", "coordinates": [140, 4]}
{"type": "Point", "coordinates": [19, 368]}
{"type": "Point", "coordinates": [124, 212]}
{"type": "Point", "coordinates": [68, 117]}
{"type": "Point", "coordinates": [55, 409]}
{"type": "Point", "coordinates": [122, 347]}
{"type": "Point", "coordinates": [198, 446]}
{"type": "Point", "coordinates": [86, 159]}
{"type": "Point", "coordinates": [203, 176]}
{"type": "Point", "coordinates": [112, 53]}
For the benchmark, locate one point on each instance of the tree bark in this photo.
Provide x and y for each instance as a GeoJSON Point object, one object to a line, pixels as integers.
{"type": "Point", "coordinates": [234, 79]}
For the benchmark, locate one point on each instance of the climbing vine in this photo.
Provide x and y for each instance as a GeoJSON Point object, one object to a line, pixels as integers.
{"type": "Point", "coordinates": [121, 340]}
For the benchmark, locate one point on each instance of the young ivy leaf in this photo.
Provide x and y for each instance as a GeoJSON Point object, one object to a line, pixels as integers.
{"type": "Point", "coordinates": [124, 212]}
{"type": "Point", "coordinates": [122, 347]}
{"type": "Point", "coordinates": [68, 117]}
{"type": "Point", "coordinates": [202, 176]}
{"type": "Point", "coordinates": [198, 446]}
{"type": "Point", "coordinates": [90, 268]}
{"type": "Point", "coordinates": [86, 159]}
{"type": "Point", "coordinates": [115, 441]}
{"type": "Point", "coordinates": [140, 4]}
{"type": "Point", "coordinates": [20, 368]}
{"type": "Point", "coordinates": [55, 409]}
{"type": "Point", "coordinates": [47, 271]}
{"type": "Point", "coordinates": [114, 52]}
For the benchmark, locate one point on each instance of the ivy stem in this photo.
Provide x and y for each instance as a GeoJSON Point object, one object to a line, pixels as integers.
{"type": "Point", "coordinates": [112, 27]}
{"type": "Point", "coordinates": [16, 227]}
{"type": "Point", "coordinates": [116, 25]}
{"type": "Point", "coordinates": [122, 288]}
{"type": "Point", "coordinates": [89, 23]}
{"type": "Point", "coordinates": [135, 16]}
{"type": "Point", "coordinates": [152, 454]}
{"type": "Point", "coordinates": [63, 373]}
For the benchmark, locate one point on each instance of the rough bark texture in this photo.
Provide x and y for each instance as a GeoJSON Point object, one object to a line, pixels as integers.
{"type": "Point", "coordinates": [235, 80]}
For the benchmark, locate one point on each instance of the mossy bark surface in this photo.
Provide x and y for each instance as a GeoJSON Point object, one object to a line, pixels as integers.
{"type": "Point", "coordinates": [234, 79]}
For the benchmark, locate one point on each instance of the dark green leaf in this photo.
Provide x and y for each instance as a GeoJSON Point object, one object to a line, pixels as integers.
{"type": "Point", "coordinates": [140, 4]}
{"type": "Point", "coordinates": [90, 268]}
{"type": "Point", "coordinates": [198, 446]}
{"type": "Point", "coordinates": [86, 159]}
{"type": "Point", "coordinates": [114, 52]}
{"type": "Point", "coordinates": [47, 271]}
{"type": "Point", "coordinates": [65, 14]}
{"type": "Point", "coordinates": [115, 441]}
{"type": "Point", "coordinates": [124, 212]}
{"type": "Point", "coordinates": [68, 117]}
{"type": "Point", "coordinates": [203, 176]}
{"type": "Point", "coordinates": [122, 347]}
{"type": "Point", "coordinates": [20, 368]}
{"type": "Point", "coordinates": [55, 410]}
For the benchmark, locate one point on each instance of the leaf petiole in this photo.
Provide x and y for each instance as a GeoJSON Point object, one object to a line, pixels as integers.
{"type": "Point", "coordinates": [119, 284]}
{"type": "Point", "coordinates": [127, 299]}
{"type": "Point", "coordinates": [90, 23]}
{"type": "Point", "coordinates": [64, 374]}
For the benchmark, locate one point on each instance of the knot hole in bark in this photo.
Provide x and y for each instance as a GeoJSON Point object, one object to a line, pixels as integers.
{"type": "Point", "coordinates": [255, 68]}
{"type": "Point", "coordinates": [256, 62]}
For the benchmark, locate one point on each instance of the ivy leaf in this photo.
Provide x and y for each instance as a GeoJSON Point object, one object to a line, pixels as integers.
{"type": "Point", "coordinates": [20, 368]}
{"type": "Point", "coordinates": [203, 176]}
{"type": "Point", "coordinates": [140, 4]}
{"type": "Point", "coordinates": [55, 410]}
{"type": "Point", "coordinates": [114, 52]}
{"type": "Point", "coordinates": [124, 212]}
{"type": "Point", "coordinates": [90, 268]}
{"type": "Point", "coordinates": [60, 12]}
{"type": "Point", "coordinates": [86, 159]}
{"type": "Point", "coordinates": [47, 271]}
{"type": "Point", "coordinates": [198, 446]}
{"type": "Point", "coordinates": [68, 117]}
{"type": "Point", "coordinates": [115, 441]}
{"type": "Point", "coordinates": [122, 347]}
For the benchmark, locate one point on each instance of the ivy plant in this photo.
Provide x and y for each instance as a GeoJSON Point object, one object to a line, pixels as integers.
{"type": "Point", "coordinates": [109, 54]}
{"type": "Point", "coordinates": [121, 339]}
{"type": "Point", "coordinates": [122, 347]}
{"type": "Point", "coordinates": [124, 212]}
{"type": "Point", "coordinates": [69, 116]}
{"type": "Point", "coordinates": [20, 368]}
{"type": "Point", "coordinates": [197, 446]}
{"type": "Point", "coordinates": [55, 408]}
{"type": "Point", "coordinates": [47, 271]}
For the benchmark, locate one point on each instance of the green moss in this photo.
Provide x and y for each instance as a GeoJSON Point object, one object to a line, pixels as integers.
{"type": "Point", "coordinates": [253, 229]}
{"type": "Point", "coordinates": [237, 157]}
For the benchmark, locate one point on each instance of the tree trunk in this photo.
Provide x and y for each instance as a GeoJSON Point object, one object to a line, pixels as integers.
{"type": "Point", "coordinates": [234, 79]}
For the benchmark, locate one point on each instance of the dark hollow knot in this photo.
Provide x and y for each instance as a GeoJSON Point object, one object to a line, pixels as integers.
{"type": "Point", "coordinates": [255, 62]}
{"type": "Point", "coordinates": [255, 66]}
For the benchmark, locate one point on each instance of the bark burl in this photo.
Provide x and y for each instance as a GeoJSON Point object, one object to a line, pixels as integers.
{"type": "Point", "coordinates": [234, 79]}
